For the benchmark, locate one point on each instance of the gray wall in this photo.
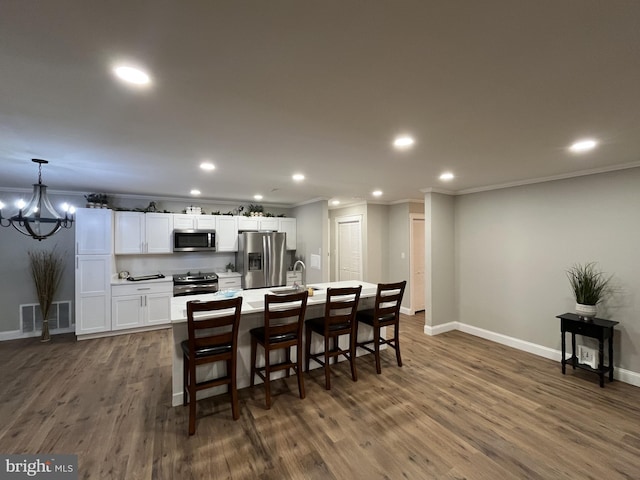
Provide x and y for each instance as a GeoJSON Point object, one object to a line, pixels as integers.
{"type": "Point", "coordinates": [16, 284]}
{"type": "Point", "coordinates": [377, 234]}
{"type": "Point", "coordinates": [398, 257]}
{"type": "Point", "coordinates": [312, 233]}
{"type": "Point", "coordinates": [514, 245]}
{"type": "Point", "coordinates": [440, 278]}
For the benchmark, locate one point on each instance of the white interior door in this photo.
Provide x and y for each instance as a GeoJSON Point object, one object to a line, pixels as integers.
{"type": "Point", "coordinates": [417, 263]}
{"type": "Point", "coordinates": [349, 248]}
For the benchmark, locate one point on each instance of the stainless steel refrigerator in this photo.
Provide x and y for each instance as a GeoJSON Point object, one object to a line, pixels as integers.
{"type": "Point", "coordinates": [261, 259]}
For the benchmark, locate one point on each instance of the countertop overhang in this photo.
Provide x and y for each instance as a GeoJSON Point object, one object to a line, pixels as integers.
{"type": "Point", "coordinates": [253, 300]}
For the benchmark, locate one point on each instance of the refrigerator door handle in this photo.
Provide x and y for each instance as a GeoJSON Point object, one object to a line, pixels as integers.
{"type": "Point", "coordinates": [266, 255]}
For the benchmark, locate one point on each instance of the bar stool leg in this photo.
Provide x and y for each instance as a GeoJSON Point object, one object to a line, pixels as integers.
{"type": "Point", "coordinates": [254, 347]}
{"type": "Point", "coordinates": [376, 347]}
{"type": "Point", "coordinates": [327, 373]}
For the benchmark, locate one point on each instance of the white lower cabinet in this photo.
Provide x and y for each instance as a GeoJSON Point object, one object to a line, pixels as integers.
{"type": "Point", "coordinates": [141, 305]}
{"type": "Point", "coordinates": [231, 281]}
{"type": "Point", "coordinates": [93, 294]}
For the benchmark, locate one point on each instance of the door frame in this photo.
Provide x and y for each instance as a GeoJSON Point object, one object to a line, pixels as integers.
{"type": "Point", "coordinates": [348, 219]}
{"type": "Point", "coordinates": [412, 272]}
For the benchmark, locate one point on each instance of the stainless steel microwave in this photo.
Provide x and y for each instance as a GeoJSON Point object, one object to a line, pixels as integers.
{"type": "Point", "coordinates": [194, 240]}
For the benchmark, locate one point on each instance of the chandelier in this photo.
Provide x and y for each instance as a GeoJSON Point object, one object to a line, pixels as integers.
{"type": "Point", "coordinates": [38, 219]}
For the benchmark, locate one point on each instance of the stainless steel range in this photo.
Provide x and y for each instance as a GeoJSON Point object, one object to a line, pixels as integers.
{"type": "Point", "coordinates": [191, 283]}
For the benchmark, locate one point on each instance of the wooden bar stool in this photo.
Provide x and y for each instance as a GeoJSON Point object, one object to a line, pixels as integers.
{"type": "Point", "coordinates": [212, 338]}
{"type": "Point", "coordinates": [386, 313]}
{"type": "Point", "coordinates": [283, 317]}
{"type": "Point", "coordinates": [339, 319]}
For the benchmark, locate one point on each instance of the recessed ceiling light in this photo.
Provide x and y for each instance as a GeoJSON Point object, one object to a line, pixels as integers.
{"type": "Point", "coordinates": [583, 145]}
{"type": "Point", "coordinates": [195, 191]}
{"type": "Point", "coordinates": [208, 166]}
{"type": "Point", "coordinates": [335, 202]}
{"type": "Point", "coordinates": [446, 176]}
{"type": "Point", "coordinates": [403, 142]}
{"type": "Point", "coordinates": [132, 75]}
{"type": "Point", "coordinates": [257, 197]}
{"type": "Point", "coordinates": [298, 177]}
{"type": "Point", "coordinates": [376, 193]}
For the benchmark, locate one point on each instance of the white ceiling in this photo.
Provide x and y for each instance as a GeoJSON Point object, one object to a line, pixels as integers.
{"type": "Point", "coordinates": [493, 91]}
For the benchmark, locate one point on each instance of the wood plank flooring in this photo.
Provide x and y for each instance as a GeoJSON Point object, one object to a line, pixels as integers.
{"type": "Point", "coordinates": [460, 408]}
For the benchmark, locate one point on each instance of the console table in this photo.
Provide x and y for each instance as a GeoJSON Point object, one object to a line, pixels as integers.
{"type": "Point", "coordinates": [597, 328]}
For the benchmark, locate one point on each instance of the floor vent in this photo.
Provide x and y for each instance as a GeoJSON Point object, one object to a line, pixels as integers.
{"type": "Point", "coordinates": [60, 318]}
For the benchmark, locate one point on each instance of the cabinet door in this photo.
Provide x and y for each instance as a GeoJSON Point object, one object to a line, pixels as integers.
{"type": "Point", "coordinates": [93, 294]}
{"type": "Point", "coordinates": [127, 311]}
{"type": "Point", "coordinates": [158, 308]}
{"type": "Point", "coordinates": [94, 234]}
{"type": "Point", "coordinates": [159, 229]}
{"type": "Point", "coordinates": [129, 232]}
{"type": "Point", "coordinates": [289, 226]}
{"type": "Point", "coordinates": [184, 222]}
{"type": "Point", "coordinates": [226, 233]}
{"type": "Point", "coordinates": [247, 223]}
{"type": "Point", "coordinates": [206, 222]}
{"type": "Point", "coordinates": [268, 224]}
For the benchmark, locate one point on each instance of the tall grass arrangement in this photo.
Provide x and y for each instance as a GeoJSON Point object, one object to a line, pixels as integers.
{"type": "Point", "coordinates": [46, 270]}
{"type": "Point", "coordinates": [589, 285]}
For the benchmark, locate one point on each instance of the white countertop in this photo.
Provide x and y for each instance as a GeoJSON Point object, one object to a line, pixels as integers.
{"type": "Point", "coordinates": [118, 281]}
{"type": "Point", "coordinates": [253, 300]}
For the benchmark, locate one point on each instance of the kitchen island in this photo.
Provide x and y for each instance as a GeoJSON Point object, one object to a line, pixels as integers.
{"type": "Point", "coordinates": [252, 316]}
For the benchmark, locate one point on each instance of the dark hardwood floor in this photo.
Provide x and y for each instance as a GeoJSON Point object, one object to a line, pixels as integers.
{"type": "Point", "coordinates": [460, 408]}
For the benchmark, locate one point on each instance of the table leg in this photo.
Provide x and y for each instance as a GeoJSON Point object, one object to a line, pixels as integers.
{"type": "Point", "coordinates": [611, 355]}
{"type": "Point", "coordinates": [562, 360]}
{"type": "Point", "coordinates": [573, 350]}
{"type": "Point", "coordinates": [601, 361]}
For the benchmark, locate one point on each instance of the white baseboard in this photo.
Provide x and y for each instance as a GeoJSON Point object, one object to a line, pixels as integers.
{"type": "Point", "coordinates": [113, 333]}
{"type": "Point", "coordinates": [626, 376]}
{"type": "Point", "coordinates": [438, 329]}
{"type": "Point", "coordinates": [17, 334]}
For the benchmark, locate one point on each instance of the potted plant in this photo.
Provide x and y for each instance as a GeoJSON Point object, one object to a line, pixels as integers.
{"type": "Point", "coordinates": [589, 286]}
{"type": "Point", "coordinates": [46, 270]}
{"type": "Point", "coordinates": [230, 267]}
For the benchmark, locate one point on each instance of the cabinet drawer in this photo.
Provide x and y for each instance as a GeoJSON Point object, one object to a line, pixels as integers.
{"type": "Point", "coordinates": [141, 289]}
{"type": "Point", "coordinates": [233, 282]}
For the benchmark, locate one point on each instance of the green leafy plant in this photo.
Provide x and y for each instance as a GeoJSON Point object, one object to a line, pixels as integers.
{"type": "Point", "coordinates": [46, 270]}
{"type": "Point", "coordinates": [589, 284]}
{"type": "Point", "coordinates": [231, 266]}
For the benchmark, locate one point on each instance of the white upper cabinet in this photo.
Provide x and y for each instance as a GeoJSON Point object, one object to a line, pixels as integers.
{"type": "Point", "coordinates": [205, 222]}
{"type": "Point", "coordinates": [129, 233]}
{"type": "Point", "coordinates": [247, 223]}
{"type": "Point", "coordinates": [183, 221]}
{"type": "Point", "coordinates": [159, 230]}
{"type": "Point", "coordinates": [257, 223]}
{"type": "Point", "coordinates": [226, 233]}
{"type": "Point", "coordinates": [289, 226]}
{"type": "Point", "coordinates": [268, 223]}
{"type": "Point", "coordinates": [94, 235]}
{"type": "Point", "coordinates": [137, 233]}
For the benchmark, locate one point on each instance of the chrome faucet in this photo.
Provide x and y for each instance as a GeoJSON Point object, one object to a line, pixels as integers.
{"type": "Point", "coordinates": [304, 271]}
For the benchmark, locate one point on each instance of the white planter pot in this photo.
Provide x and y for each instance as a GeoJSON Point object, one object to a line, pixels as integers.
{"type": "Point", "coordinates": [586, 311]}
